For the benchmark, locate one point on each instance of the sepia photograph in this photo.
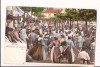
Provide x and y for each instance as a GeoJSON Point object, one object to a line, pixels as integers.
{"type": "Point", "coordinates": [52, 35]}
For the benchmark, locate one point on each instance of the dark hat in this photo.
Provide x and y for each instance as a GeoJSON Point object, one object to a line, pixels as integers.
{"type": "Point", "coordinates": [10, 17]}
{"type": "Point", "coordinates": [69, 37]}
{"type": "Point", "coordinates": [63, 43]}
{"type": "Point", "coordinates": [83, 48]}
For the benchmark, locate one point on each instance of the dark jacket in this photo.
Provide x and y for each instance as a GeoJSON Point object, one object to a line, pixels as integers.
{"type": "Point", "coordinates": [32, 38]}
{"type": "Point", "coordinates": [67, 54]}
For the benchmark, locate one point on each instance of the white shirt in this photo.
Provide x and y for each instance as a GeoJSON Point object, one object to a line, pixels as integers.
{"type": "Point", "coordinates": [84, 55]}
{"type": "Point", "coordinates": [25, 24]}
{"type": "Point", "coordinates": [70, 34]}
{"type": "Point", "coordinates": [93, 45]}
{"type": "Point", "coordinates": [40, 31]}
{"type": "Point", "coordinates": [33, 28]}
{"type": "Point", "coordinates": [16, 23]}
{"type": "Point", "coordinates": [66, 37]}
{"type": "Point", "coordinates": [40, 38]}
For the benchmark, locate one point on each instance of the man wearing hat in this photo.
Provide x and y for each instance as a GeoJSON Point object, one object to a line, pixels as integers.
{"type": "Point", "coordinates": [67, 52]}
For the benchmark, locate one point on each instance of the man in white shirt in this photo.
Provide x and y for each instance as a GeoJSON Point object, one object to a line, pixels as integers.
{"type": "Point", "coordinates": [83, 56]}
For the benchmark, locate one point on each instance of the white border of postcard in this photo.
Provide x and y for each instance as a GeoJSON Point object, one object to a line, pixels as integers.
{"type": "Point", "coordinates": [87, 4]}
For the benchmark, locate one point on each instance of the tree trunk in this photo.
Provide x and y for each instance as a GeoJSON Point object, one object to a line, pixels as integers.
{"type": "Point", "coordinates": [86, 26]}
{"type": "Point", "coordinates": [70, 23]}
{"type": "Point", "coordinates": [67, 21]}
{"type": "Point", "coordinates": [31, 11]}
{"type": "Point", "coordinates": [77, 24]}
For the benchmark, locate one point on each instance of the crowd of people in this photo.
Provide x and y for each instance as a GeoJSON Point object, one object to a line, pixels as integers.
{"type": "Point", "coordinates": [54, 38]}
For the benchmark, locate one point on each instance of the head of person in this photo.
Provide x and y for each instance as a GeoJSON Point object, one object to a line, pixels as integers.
{"type": "Point", "coordinates": [16, 29]}
{"type": "Point", "coordinates": [93, 40]}
{"type": "Point", "coordinates": [88, 35]}
{"type": "Point", "coordinates": [69, 32]}
{"type": "Point", "coordinates": [69, 37]}
{"type": "Point", "coordinates": [40, 35]}
{"type": "Point", "coordinates": [64, 44]}
{"type": "Point", "coordinates": [83, 48]}
{"type": "Point", "coordinates": [22, 27]}
{"type": "Point", "coordinates": [9, 18]}
{"type": "Point", "coordinates": [29, 30]}
{"type": "Point", "coordinates": [55, 38]}
{"type": "Point", "coordinates": [62, 36]}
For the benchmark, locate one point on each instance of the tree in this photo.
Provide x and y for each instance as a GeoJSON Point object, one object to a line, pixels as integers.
{"type": "Point", "coordinates": [77, 15]}
{"type": "Point", "coordinates": [36, 10]}
{"type": "Point", "coordinates": [60, 16]}
{"type": "Point", "coordinates": [39, 14]}
{"type": "Point", "coordinates": [72, 15]}
{"type": "Point", "coordinates": [55, 18]}
{"type": "Point", "coordinates": [26, 9]}
{"type": "Point", "coordinates": [87, 15]}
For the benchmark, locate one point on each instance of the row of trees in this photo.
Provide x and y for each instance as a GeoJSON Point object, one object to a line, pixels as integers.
{"type": "Point", "coordinates": [70, 15]}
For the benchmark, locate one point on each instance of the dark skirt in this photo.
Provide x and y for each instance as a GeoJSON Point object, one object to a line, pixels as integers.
{"type": "Point", "coordinates": [36, 52]}
{"type": "Point", "coordinates": [56, 55]}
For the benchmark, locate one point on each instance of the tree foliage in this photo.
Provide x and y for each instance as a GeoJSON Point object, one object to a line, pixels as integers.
{"type": "Point", "coordinates": [33, 9]}
{"type": "Point", "coordinates": [78, 14]}
{"type": "Point", "coordinates": [87, 14]}
{"type": "Point", "coordinates": [39, 14]}
{"type": "Point", "coordinates": [26, 9]}
{"type": "Point", "coordinates": [36, 11]}
{"type": "Point", "coordinates": [72, 14]}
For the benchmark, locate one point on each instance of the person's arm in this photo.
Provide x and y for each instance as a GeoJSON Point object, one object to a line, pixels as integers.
{"type": "Point", "coordinates": [17, 36]}
{"type": "Point", "coordinates": [43, 43]}
{"type": "Point", "coordinates": [78, 56]}
{"type": "Point", "coordinates": [83, 40]}
{"type": "Point", "coordinates": [51, 44]}
{"type": "Point", "coordinates": [9, 38]}
{"type": "Point", "coordinates": [72, 44]}
{"type": "Point", "coordinates": [88, 57]}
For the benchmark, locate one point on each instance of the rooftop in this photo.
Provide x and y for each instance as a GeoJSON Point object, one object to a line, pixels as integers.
{"type": "Point", "coordinates": [52, 10]}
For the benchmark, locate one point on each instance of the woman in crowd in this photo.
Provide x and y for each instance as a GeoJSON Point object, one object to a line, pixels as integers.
{"type": "Point", "coordinates": [55, 51]}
